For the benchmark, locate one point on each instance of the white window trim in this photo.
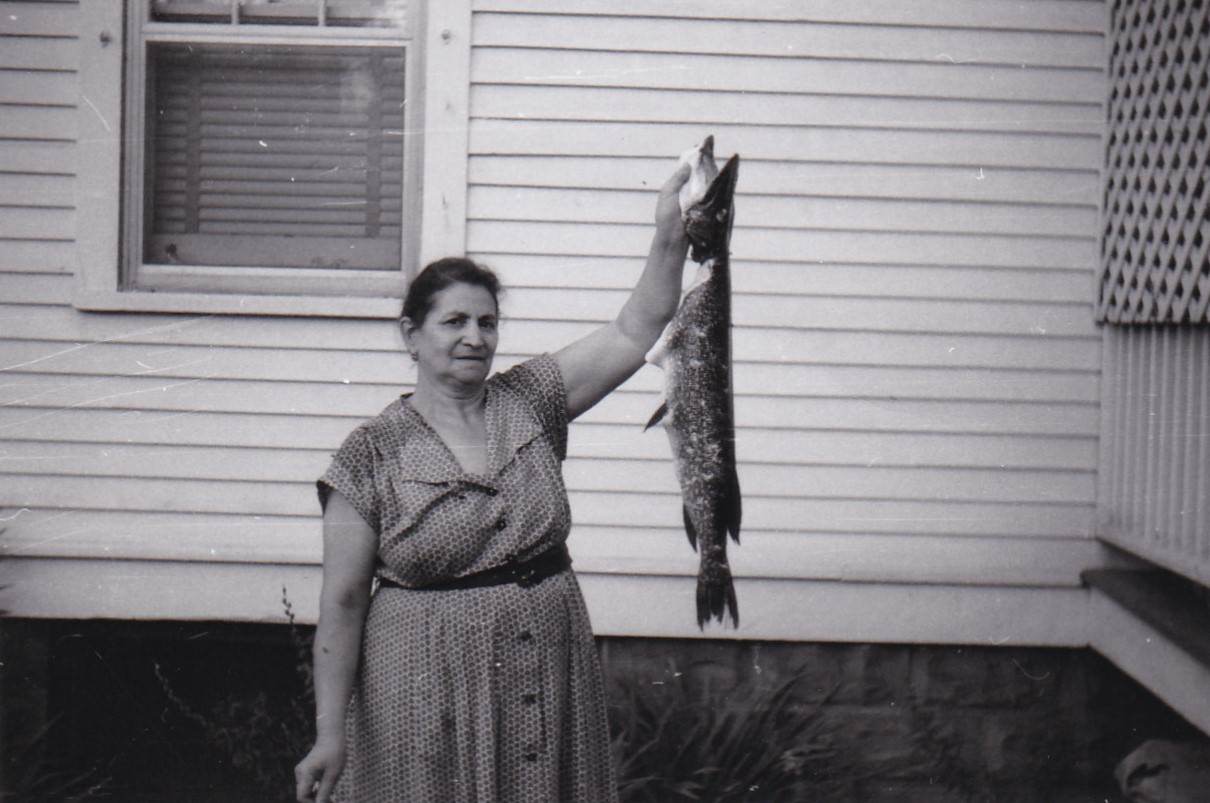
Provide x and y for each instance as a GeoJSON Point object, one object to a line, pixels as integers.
{"type": "Point", "coordinates": [444, 88]}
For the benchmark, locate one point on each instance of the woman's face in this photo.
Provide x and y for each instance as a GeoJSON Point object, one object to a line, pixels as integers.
{"type": "Point", "coordinates": [457, 341]}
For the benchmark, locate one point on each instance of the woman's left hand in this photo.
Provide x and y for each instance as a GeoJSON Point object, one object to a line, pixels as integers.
{"type": "Point", "coordinates": [669, 228]}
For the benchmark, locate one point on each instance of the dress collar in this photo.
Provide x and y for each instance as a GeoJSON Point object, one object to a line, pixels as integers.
{"type": "Point", "coordinates": [426, 457]}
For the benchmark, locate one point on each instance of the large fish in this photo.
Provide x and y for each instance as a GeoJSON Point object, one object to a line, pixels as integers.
{"type": "Point", "coordinates": [695, 355]}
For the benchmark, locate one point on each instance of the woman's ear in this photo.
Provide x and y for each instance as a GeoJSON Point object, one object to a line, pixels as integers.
{"type": "Point", "coordinates": [407, 328]}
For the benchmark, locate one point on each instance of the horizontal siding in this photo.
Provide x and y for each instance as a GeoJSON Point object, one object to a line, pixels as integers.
{"type": "Point", "coordinates": [917, 376]}
{"type": "Point", "coordinates": [899, 415]}
{"type": "Point", "coordinates": [1045, 186]}
{"type": "Point", "coordinates": [37, 223]}
{"type": "Point", "coordinates": [785, 143]}
{"type": "Point", "coordinates": [873, 244]}
{"type": "Point", "coordinates": [40, 121]}
{"type": "Point", "coordinates": [776, 38]}
{"type": "Point", "coordinates": [38, 89]}
{"type": "Point", "coordinates": [796, 311]}
{"type": "Point", "coordinates": [846, 346]}
{"type": "Point", "coordinates": [86, 425]}
{"type": "Point", "coordinates": [39, 53]}
{"type": "Point", "coordinates": [536, 65]}
{"type": "Point", "coordinates": [881, 515]}
{"type": "Point", "coordinates": [56, 191]}
{"type": "Point", "coordinates": [793, 212]}
{"type": "Point", "coordinates": [958, 560]}
{"type": "Point", "coordinates": [55, 88]}
{"type": "Point", "coordinates": [510, 101]}
{"type": "Point", "coordinates": [917, 201]}
{"type": "Point", "coordinates": [40, 18]}
{"type": "Point", "coordinates": [368, 368]}
{"type": "Point", "coordinates": [630, 605]}
{"type": "Point", "coordinates": [1059, 15]}
{"type": "Point", "coordinates": [775, 480]}
{"type": "Point", "coordinates": [53, 158]}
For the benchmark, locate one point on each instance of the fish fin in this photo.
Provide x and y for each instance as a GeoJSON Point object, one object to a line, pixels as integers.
{"type": "Point", "coordinates": [733, 507]}
{"type": "Point", "coordinates": [689, 529]}
{"type": "Point", "coordinates": [657, 416]}
{"type": "Point", "coordinates": [716, 595]}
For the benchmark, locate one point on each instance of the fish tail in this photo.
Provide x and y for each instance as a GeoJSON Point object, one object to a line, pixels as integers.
{"type": "Point", "coordinates": [716, 594]}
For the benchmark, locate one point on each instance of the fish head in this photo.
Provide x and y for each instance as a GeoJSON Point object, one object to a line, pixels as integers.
{"type": "Point", "coordinates": [702, 171]}
{"type": "Point", "coordinates": [708, 221]}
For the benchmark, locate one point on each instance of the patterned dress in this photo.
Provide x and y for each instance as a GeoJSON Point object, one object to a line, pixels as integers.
{"type": "Point", "coordinates": [480, 695]}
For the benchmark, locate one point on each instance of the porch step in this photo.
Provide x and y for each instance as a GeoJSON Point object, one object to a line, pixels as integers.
{"type": "Point", "coordinates": [1156, 627]}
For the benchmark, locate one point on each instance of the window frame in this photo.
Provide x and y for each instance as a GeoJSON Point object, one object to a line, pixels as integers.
{"type": "Point", "coordinates": [437, 85]}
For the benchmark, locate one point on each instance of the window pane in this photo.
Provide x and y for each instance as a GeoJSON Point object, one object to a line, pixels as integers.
{"type": "Point", "coordinates": [274, 156]}
{"type": "Point", "coordinates": [354, 13]}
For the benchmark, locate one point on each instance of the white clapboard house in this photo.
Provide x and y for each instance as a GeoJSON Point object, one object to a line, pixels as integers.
{"type": "Point", "coordinates": [971, 348]}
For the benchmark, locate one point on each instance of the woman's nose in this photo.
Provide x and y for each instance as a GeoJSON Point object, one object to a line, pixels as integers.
{"type": "Point", "coordinates": [472, 335]}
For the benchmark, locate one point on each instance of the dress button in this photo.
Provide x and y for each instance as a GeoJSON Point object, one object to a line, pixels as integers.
{"type": "Point", "coordinates": [501, 523]}
{"type": "Point", "coordinates": [531, 756]}
{"type": "Point", "coordinates": [529, 699]}
{"type": "Point", "coordinates": [492, 492]}
{"type": "Point", "coordinates": [525, 635]}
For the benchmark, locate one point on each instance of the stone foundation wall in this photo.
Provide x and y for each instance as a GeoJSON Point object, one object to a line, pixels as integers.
{"type": "Point", "coordinates": [929, 722]}
{"type": "Point", "coordinates": [901, 722]}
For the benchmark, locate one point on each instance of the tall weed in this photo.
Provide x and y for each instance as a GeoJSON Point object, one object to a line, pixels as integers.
{"type": "Point", "coordinates": [260, 734]}
{"type": "Point", "coordinates": [756, 744]}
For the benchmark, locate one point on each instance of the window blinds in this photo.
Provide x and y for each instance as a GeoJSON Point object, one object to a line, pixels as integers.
{"type": "Point", "coordinates": [283, 156]}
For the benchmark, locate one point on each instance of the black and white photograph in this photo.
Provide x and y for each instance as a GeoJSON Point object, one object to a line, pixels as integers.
{"type": "Point", "coordinates": [604, 401]}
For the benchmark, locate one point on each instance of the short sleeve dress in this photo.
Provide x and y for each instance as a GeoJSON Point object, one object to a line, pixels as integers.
{"type": "Point", "coordinates": [477, 695]}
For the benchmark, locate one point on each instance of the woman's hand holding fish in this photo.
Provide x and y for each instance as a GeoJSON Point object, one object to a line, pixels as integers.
{"type": "Point", "coordinates": [597, 363]}
{"type": "Point", "coordinates": [669, 226]}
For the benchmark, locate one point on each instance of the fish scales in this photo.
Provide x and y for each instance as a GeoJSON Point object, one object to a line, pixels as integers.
{"type": "Point", "coordinates": [698, 411]}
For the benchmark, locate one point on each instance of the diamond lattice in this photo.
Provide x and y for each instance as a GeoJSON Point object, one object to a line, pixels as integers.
{"type": "Point", "coordinates": [1154, 266]}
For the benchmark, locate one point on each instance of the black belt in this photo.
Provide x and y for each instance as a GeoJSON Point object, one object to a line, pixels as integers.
{"type": "Point", "coordinates": [525, 574]}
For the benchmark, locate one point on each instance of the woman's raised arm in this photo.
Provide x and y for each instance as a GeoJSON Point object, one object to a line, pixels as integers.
{"type": "Point", "coordinates": [607, 357]}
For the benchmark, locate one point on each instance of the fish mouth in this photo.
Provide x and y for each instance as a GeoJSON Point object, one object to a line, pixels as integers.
{"type": "Point", "coordinates": [708, 222]}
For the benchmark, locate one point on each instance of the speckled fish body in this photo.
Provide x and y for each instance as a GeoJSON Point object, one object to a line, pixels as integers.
{"type": "Point", "coordinates": [698, 414]}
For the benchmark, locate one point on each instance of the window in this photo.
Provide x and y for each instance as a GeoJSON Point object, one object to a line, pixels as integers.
{"type": "Point", "coordinates": [269, 159]}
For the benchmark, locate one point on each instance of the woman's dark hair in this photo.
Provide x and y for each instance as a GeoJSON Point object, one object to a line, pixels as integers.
{"type": "Point", "coordinates": [439, 275]}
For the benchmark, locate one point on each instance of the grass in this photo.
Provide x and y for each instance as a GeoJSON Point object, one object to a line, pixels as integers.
{"type": "Point", "coordinates": [753, 745]}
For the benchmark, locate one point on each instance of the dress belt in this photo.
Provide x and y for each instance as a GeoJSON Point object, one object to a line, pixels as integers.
{"type": "Point", "coordinates": [526, 574]}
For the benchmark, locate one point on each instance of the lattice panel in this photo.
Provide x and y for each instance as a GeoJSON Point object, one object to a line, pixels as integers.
{"type": "Point", "coordinates": [1154, 264]}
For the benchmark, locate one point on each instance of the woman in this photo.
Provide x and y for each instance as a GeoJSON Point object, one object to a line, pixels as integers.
{"type": "Point", "coordinates": [470, 674]}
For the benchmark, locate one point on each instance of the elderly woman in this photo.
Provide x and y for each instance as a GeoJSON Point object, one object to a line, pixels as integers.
{"type": "Point", "coordinates": [470, 674]}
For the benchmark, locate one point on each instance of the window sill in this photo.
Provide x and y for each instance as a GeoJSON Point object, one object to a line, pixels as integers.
{"type": "Point", "coordinates": [234, 304]}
